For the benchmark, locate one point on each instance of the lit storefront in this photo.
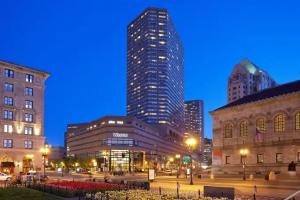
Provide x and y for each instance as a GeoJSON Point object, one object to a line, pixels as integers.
{"type": "Point", "coordinates": [123, 144]}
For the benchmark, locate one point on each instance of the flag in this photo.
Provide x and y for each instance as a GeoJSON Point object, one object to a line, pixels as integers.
{"type": "Point", "coordinates": [258, 136]}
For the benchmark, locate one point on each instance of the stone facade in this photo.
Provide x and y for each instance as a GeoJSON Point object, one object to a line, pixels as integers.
{"type": "Point", "coordinates": [269, 128]}
{"type": "Point", "coordinates": [22, 117]}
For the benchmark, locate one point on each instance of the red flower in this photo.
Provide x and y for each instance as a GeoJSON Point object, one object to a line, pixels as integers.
{"type": "Point", "coordinates": [77, 185]}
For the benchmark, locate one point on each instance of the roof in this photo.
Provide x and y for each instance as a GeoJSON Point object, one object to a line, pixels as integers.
{"type": "Point", "coordinates": [12, 64]}
{"type": "Point", "coordinates": [265, 94]}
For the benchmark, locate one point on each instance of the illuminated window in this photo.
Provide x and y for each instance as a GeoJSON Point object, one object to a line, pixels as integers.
{"type": "Point", "coordinates": [297, 121]}
{"type": "Point", "coordinates": [120, 122]}
{"type": "Point", "coordinates": [111, 122]}
{"type": "Point", "coordinates": [28, 104]}
{"type": "Point", "coordinates": [261, 125]}
{"type": "Point", "coordinates": [28, 130]}
{"type": "Point", "coordinates": [29, 78]}
{"type": "Point", "coordinates": [243, 128]}
{"type": "Point", "coordinates": [228, 130]}
{"type": "Point", "coordinates": [279, 123]}
{"type": "Point", "coordinates": [8, 128]}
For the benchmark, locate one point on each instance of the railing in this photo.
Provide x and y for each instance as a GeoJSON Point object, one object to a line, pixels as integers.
{"type": "Point", "coordinates": [292, 196]}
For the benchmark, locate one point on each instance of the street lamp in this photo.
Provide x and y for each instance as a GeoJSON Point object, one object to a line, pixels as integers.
{"type": "Point", "coordinates": [45, 152]}
{"type": "Point", "coordinates": [191, 143]}
{"type": "Point", "coordinates": [244, 153]}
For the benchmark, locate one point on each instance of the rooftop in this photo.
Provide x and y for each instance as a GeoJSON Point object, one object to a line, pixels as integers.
{"type": "Point", "coordinates": [265, 94]}
{"type": "Point", "coordinates": [11, 64]}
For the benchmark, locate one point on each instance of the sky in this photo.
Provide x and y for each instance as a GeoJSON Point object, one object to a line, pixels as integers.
{"type": "Point", "coordinates": [83, 46]}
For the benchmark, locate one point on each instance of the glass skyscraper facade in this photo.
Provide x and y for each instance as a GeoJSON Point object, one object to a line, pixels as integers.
{"type": "Point", "coordinates": [155, 87]}
{"type": "Point", "coordinates": [194, 119]}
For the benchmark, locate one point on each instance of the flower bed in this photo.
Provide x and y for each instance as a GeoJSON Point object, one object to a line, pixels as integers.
{"type": "Point", "coordinates": [142, 195]}
{"type": "Point", "coordinates": [75, 188]}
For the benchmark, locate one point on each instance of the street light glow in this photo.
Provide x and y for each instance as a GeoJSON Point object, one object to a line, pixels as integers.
{"type": "Point", "coordinates": [244, 152]}
{"type": "Point", "coordinates": [191, 142]}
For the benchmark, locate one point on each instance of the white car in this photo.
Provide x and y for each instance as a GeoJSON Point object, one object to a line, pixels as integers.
{"type": "Point", "coordinates": [4, 177]}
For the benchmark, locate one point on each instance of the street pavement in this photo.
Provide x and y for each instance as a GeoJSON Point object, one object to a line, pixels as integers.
{"type": "Point", "coordinates": [265, 190]}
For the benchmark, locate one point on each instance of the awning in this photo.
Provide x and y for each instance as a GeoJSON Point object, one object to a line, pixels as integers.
{"type": "Point", "coordinates": [7, 164]}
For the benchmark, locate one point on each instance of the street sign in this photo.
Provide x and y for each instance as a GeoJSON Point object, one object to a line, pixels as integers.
{"type": "Point", "coordinates": [151, 174]}
{"type": "Point", "coordinates": [186, 159]}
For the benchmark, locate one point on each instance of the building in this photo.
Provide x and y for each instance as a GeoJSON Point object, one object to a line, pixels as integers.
{"type": "Point", "coordinates": [194, 119]}
{"type": "Point", "coordinates": [246, 79]}
{"type": "Point", "coordinates": [57, 153]}
{"type": "Point", "coordinates": [155, 92]}
{"type": "Point", "coordinates": [119, 143]}
{"type": "Point", "coordinates": [207, 152]}
{"type": "Point", "coordinates": [265, 124]}
{"type": "Point", "coordinates": [22, 122]}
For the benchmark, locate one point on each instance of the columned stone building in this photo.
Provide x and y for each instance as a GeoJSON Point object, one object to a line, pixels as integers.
{"type": "Point", "coordinates": [267, 124]}
{"type": "Point", "coordinates": [22, 117]}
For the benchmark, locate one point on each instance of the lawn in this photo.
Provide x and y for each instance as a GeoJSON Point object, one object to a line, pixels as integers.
{"type": "Point", "coordinates": [25, 193]}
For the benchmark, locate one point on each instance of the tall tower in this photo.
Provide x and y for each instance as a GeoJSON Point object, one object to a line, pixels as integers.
{"type": "Point", "coordinates": [194, 119]}
{"type": "Point", "coordinates": [247, 78]}
{"type": "Point", "coordinates": [155, 69]}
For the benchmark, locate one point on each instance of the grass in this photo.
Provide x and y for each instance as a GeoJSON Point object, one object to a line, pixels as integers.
{"type": "Point", "coordinates": [25, 193]}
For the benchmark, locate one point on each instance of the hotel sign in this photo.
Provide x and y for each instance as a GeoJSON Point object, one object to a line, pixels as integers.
{"type": "Point", "coordinates": [120, 135]}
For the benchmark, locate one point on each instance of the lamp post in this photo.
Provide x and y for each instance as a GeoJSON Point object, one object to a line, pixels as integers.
{"type": "Point", "coordinates": [191, 143]}
{"type": "Point", "coordinates": [45, 152]}
{"type": "Point", "coordinates": [244, 153]}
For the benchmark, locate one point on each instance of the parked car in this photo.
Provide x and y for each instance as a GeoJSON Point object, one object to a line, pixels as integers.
{"type": "Point", "coordinates": [5, 177]}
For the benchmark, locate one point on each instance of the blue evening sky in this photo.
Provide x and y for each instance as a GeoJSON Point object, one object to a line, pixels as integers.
{"type": "Point", "coordinates": [83, 45]}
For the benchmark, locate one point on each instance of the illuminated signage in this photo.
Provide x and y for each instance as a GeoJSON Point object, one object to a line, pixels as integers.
{"type": "Point", "coordinates": [120, 135]}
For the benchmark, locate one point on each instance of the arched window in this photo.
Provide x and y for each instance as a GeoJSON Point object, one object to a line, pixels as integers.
{"type": "Point", "coordinates": [227, 130]}
{"type": "Point", "coordinates": [297, 121]}
{"type": "Point", "coordinates": [243, 128]}
{"type": "Point", "coordinates": [261, 125]}
{"type": "Point", "coordinates": [279, 123]}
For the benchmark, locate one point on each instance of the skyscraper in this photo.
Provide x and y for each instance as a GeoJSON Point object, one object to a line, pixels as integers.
{"type": "Point", "coordinates": [155, 69]}
{"type": "Point", "coordinates": [194, 118]}
{"type": "Point", "coordinates": [247, 78]}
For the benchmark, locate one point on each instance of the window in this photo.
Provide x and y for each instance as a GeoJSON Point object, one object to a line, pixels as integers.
{"type": "Point", "coordinates": [28, 104]}
{"type": "Point", "coordinates": [8, 115]}
{"type": "Point", "coordinates": [261, 125]}
{"type": "Point", "coordinates": [243, 128]}
{"type": "Point", "coordinates": [7, 143]}
{"type": "Point", "coordinates": [29, 78]}
{"type": "Point", "coordinates": [28, 130]}
{"type": "Point", "coordinates": [8, 87]}
{"type": "Point", "coordinates": [9, 101]}
{"type": "Point", "coordinates": [28, 91]}
{"type": "Point", "coordinates": [227, 160]}
{"type": "Point", "coordinates": [260, 158]}
{"type": "Point", "coordinates": [28, 117]}
{"type": "Point", "coordinates": [279, 123]}
{"type": "Point", "coordinates": [297, 121]}
{"type": "Point", "coordinates": [8, 128]}
{"type": "Point", "coordinates": [9, 73]}
{"type": "Point", "coordinates": [228, 130]}
{"type": "Point", "coordinates": [28, 144]}
{"type": "Point", "coordinates": [279, 158]}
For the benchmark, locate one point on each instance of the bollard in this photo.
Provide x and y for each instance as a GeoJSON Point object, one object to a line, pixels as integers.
{"type": "Point", "coordinates": [254, 197]}
{"type": "Point", "coordinates": [177, 190]}
{"type": "Point", "coordinates": [199, 194]}
{"type": "Point", "coordinates": [159, 189]}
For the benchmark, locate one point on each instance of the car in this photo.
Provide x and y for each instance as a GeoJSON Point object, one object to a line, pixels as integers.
{"type": "Point", "coordinates": [5, 177]}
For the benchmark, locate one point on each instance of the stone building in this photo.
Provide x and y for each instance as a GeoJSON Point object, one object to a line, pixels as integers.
{"type": "Point", "coordinates": [267, 124]}
{"type": "Point", "coordinates": [247, 78]}
{"type": "Point", "coordinates": [22, 117]}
